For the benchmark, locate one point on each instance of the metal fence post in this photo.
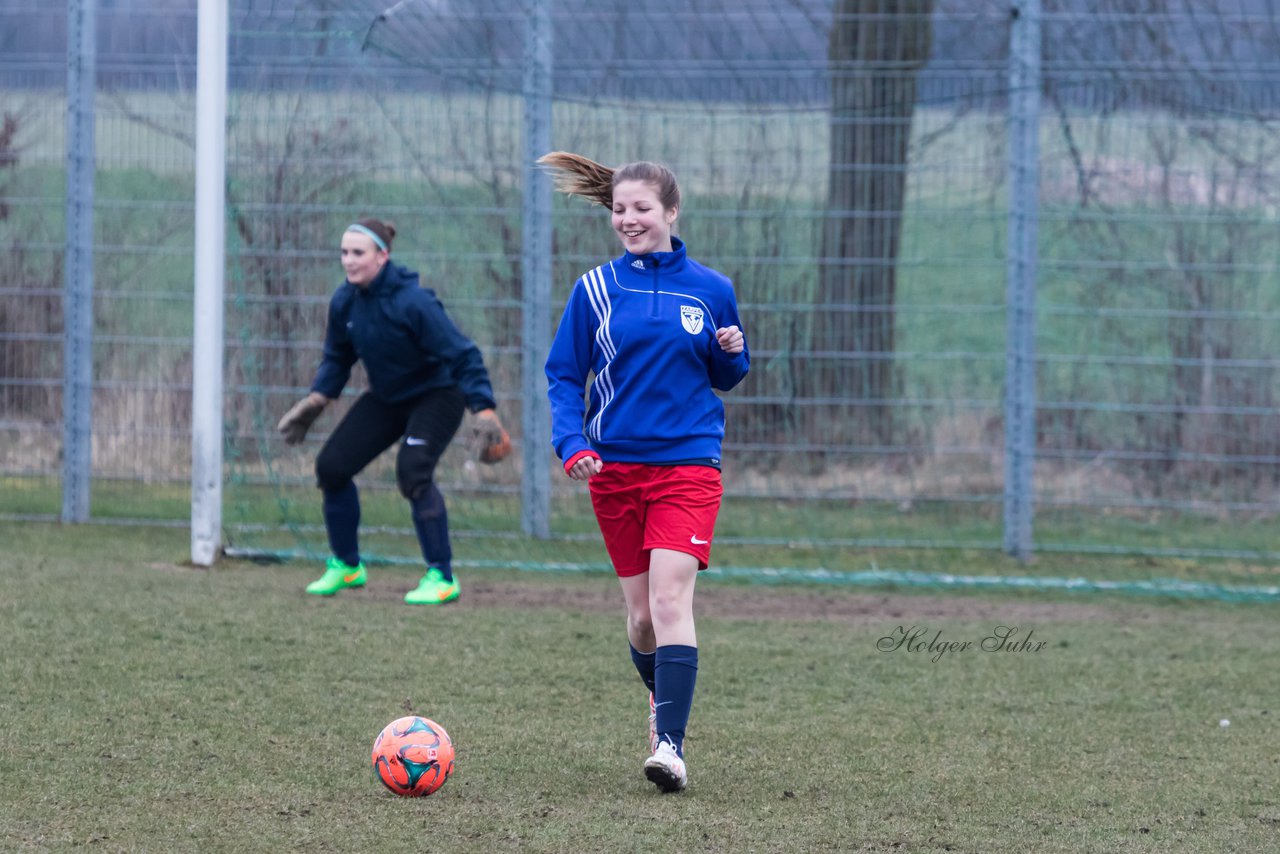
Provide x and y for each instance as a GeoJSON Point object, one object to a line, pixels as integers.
{"type": "Point", "coordinates": [1020, 334]}
{"type": "Point", "coordinates": [77, 362]}
{"type": "Point", "coordinates": [210, 275]}
{"type": "Point", "coordinates": [535, 266]}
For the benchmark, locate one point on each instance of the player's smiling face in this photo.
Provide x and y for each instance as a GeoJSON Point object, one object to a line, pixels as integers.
{"type": "Point", "coordinates": [641, 222]}
{"type": "Point", "coordinates": [361, 258]}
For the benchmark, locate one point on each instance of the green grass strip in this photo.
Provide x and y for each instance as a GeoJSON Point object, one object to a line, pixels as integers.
{"type": "Point", "coordinates": [875, 577]}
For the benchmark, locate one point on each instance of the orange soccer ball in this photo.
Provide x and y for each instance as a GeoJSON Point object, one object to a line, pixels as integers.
{"type": "Point", "coordinates": [413, 756]}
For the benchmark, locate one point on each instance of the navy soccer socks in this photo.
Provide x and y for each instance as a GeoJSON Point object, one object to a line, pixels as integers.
{"type": "Point", "coordinates": [675, 674]}
{"type": "Point", "coordinates": [644, 662]}
{"type": "Point", "coordinates": [342, 522]}
{"type": "Point", "coordinates": [431, 522]}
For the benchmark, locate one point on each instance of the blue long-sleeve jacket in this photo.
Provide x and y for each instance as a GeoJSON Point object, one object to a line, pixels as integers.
{"type": "Point", "coordinates": [646, 327]}
{"type": "Point", "coordinates": [408, 344]}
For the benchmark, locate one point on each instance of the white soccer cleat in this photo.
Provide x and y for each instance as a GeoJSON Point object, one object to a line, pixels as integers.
{"type": "Point", "coordinates": [665, 769]}
{"type": "Point", "coordinates": [653, 725]}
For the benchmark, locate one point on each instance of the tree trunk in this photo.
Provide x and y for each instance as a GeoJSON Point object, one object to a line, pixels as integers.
{"type": "Point", "coordinates": [875, 54]}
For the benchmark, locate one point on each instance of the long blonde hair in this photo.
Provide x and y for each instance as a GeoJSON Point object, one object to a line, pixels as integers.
{"type": "Point", "coordinates": [581, 176]}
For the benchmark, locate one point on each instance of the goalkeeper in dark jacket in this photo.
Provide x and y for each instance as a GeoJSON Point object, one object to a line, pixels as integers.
{"type": "Point", "coordinates": [423, 375]}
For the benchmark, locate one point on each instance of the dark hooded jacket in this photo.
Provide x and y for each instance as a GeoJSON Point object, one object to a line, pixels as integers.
{"type": "Point", "coordinates": [407, 342]}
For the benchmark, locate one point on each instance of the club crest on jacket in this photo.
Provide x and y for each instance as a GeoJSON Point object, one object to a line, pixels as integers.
{"type": "Point", "coordinates": [691, 317]}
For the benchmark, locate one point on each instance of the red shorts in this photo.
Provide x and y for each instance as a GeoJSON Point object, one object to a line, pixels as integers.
{"type": "Point", "coordinates": [640, 508]}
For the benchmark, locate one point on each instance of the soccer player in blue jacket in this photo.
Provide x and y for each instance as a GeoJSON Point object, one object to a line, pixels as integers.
{"type": "Point", "coordinates": [423, 375]}
{"type": "Point", "coordinates": [660, 334]}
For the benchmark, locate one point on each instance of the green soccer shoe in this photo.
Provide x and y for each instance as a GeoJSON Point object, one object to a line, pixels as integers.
{"type": "Point", "coordinates": [338, 576]}
{"type": "Point", "coordinates": [433, 589]}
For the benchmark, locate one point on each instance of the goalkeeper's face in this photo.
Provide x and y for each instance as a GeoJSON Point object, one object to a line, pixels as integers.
{"type": "Point", "coordinates": [361, 258]}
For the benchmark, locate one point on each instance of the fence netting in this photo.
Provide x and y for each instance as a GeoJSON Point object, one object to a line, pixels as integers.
{"type": "Point", "coordinates": [845, 163]}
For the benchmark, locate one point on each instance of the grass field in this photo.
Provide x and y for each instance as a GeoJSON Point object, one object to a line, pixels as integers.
{"type": "Point", "coordinates": [751, 532]}
{"type": "Point", "coordinates": [151, 706]}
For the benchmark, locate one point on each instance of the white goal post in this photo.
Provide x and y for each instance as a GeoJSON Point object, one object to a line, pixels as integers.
{"type": "Point", "coordinates": [210, 282]}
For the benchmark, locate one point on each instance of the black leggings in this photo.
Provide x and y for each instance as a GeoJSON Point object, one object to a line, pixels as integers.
{"type": "Point", "coordinates": [426, 424]}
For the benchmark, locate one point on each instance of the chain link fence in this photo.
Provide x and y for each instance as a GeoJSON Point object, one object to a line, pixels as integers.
{"type": "Point", "coordinates": [848, 164]}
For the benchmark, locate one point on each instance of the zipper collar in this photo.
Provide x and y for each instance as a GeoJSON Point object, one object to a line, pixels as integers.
{"type": "Point", "coordinates": [390, 278]}
{"type": "Point", "coordinates": [667, 262]}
